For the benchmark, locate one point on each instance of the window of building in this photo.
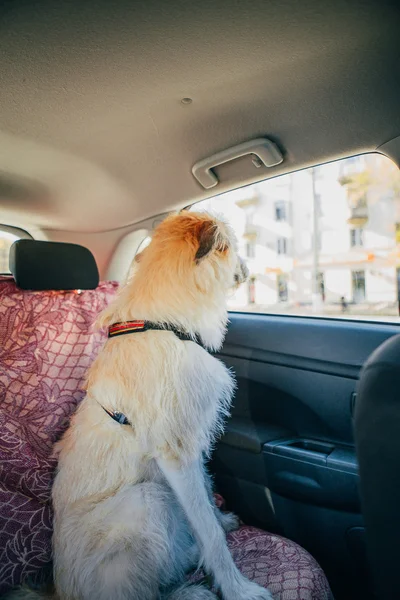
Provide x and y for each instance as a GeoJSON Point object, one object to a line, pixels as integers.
{"type": "Point", "coordinates": [358, 286]}
{"type": "Point", "coordinates": [361, 211]}
{"type": "Point", "coordinates": [282, 285]}
{"type": "Point", "coordinates": [280, 211]}
{"type": "Point", "coordinates": [281, 245]}
{"type": "Point", "coordinates": [356, 237]}
{"type": "Point", "coordinates": [250, 250]}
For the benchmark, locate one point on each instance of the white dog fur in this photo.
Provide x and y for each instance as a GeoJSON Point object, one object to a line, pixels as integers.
{"type": "Point", "coordinates": [133, 505]}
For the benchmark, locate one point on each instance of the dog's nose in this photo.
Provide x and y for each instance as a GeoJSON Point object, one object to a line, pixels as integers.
{"type": "Point", "coordinates": [242, 272]}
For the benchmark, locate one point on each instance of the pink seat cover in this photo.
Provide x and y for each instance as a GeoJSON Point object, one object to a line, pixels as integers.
{"type": "Point", "coordinates": [286, 569]}
{"type": "Point", "coordinates": [46, 346]}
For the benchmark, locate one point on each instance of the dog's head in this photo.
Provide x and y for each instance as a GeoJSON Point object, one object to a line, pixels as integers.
{"type": "Point", "coordinates": [183, 277]}
{"type": "Point", "coordinates": [198, 245]}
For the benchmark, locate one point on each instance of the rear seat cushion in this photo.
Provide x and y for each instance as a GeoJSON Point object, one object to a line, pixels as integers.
{"type": "Point", "coordinates": [286, 569]}
{"type": "Point", "coordinates": [46, 346]}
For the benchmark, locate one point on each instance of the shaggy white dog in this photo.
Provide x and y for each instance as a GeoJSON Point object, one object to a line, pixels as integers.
{"type": "Point", "coordinates": [133, 505]}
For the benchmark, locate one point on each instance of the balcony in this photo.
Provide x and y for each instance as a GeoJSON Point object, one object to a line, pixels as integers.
{"type": "Point", "coordinates": [250, 236]}
{"type": "Point", "coordinates": [358, 216]}
{"type": "Point", "coordinates": [248, 202]}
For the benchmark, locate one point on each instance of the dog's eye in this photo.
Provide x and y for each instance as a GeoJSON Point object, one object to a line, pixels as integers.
{"type": "Point", "coordinates": [223, 248]}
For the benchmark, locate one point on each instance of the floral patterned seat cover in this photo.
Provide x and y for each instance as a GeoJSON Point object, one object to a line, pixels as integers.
{"type": "Point", "coordinates": [46, 346]}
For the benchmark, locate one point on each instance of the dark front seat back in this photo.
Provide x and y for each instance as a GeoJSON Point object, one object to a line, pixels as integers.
{"type": "Point", "coordinates": [377, 435]}
{"type": "Point", "coordinates": [43, 266]}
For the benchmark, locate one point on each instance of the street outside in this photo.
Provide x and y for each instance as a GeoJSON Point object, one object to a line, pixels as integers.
{"type": "Point", "coordinates": [365, 312]}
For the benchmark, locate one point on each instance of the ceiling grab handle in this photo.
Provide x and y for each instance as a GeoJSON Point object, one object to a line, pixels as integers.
{"type": "Point", "coordinates": [264, 150]}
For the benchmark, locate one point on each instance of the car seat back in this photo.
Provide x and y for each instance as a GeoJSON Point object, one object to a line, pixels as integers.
{"type": "Point", "coordinates": [47, 343]}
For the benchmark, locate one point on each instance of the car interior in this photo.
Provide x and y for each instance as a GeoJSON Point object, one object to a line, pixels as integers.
{"type": "Point", "coordinates": [282, 116]}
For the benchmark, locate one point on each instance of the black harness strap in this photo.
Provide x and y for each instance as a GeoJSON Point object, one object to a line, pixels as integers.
{"type": "Point", "coordinates": [139, 327]}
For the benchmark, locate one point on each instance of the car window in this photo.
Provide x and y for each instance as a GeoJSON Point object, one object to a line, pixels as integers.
{"type": "Point", "coordinates": [143, 244]}
{"type": "Point", "coordinates": [323, 241]}
{"type": "Point", "coordinates": [6, 241]}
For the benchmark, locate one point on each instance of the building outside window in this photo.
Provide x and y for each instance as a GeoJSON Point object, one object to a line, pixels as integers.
{"type": "Point", "coordinates": [352, 248]}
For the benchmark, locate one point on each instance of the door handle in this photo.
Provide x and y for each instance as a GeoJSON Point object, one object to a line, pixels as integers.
{"type": "Point", "coordinates": [265, 151]}
{"type": "Point", "coordinates": [312, 451]}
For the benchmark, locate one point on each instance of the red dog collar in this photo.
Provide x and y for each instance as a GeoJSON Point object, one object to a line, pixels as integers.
{"type": "Point", "coordinates": [139, 326]}
{"type": "Point", "coordinates": [125, 327]}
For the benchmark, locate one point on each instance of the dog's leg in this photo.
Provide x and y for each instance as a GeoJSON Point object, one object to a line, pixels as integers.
{"type": "Point", "coordinates": [124, 547]}
{"type": "Point", "coordinates": [188, 483]}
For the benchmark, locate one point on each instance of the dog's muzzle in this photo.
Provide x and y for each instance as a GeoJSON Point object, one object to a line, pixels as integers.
{"type": "Point", "coordinates": [242, 272]}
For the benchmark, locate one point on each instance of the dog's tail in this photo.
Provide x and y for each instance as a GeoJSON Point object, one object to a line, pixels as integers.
{"type": "Point", "coordinates": [27, 593]}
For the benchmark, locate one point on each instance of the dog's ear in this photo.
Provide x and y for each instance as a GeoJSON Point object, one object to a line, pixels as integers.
{"type": "Point", "coordinates": [138, 257]}
{"type": "Point", "coordinates": [209, 238]}
{"type": "Point", "coordinates": [206, 236]}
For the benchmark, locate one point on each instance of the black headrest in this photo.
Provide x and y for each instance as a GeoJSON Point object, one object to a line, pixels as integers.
{"type": "Point", "coordinates": [52, 266]}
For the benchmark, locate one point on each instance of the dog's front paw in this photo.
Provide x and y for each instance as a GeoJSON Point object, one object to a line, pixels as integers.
{"type": "Point", "coordinates": [247, 590]}
{"type": "Point", "coordinates": [229, 521]}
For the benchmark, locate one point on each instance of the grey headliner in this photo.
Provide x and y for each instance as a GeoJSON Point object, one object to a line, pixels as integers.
{"type": "Point", "coordinates": [91, 117]}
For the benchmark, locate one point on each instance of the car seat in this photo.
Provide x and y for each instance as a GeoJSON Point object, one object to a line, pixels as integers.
{"type": "Point", "coordinates": [46, 346]}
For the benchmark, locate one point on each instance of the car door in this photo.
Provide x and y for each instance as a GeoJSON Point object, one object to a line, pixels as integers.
{"type": "Point", "coordinates": [287, 461]}
{"type": "Point", "coordinates": [322, 250]}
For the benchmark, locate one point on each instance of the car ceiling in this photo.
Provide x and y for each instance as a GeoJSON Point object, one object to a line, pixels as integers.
{"type": "Point", "coordinates": [93, 133]}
